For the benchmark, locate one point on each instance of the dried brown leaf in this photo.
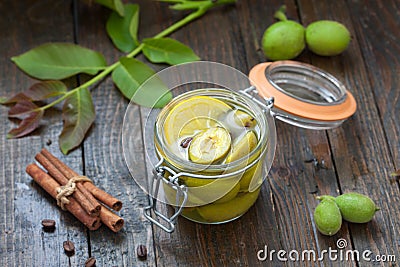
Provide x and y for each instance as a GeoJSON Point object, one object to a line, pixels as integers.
{"type": "Point", "coordinates": [22, 109]}
{"type": "Point", "coordinates": [27, 125]}
{"type": "Point", "coordinates": [38, 91]}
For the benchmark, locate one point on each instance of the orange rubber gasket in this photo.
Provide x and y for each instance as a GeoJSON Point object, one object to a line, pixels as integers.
{"type": "Point", "coordinates": [297, 107]}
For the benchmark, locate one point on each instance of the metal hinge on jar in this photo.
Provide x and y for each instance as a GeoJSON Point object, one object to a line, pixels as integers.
{"type": "Point", "coordinates": [252, 93]}
{"type": "Point", "coordinates": [151, 212]}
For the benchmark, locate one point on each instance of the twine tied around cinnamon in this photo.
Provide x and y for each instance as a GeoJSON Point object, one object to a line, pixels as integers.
{"type": "Point", "coordinates": [68, 189]}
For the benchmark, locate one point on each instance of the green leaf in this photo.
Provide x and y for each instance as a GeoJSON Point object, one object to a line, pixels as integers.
{"type": "Point", "coordinates": [78, 115]}
{"type": "Point", "coordinates": [30, 118]}
{"type": "Point", "coordinates": [115, 5]}
{"type": "Point", "coordinates": [131, 74]}
{"type": "Point", "coordinates": [38, 91]}
{"type": "Point", "coordinates": [123, 30]}
{"type": "Point", "coordinates": [55, 61]}
{"type": "Point", "coordinates": [167, 50]}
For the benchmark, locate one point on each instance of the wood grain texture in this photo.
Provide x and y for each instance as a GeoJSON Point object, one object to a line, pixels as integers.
{"type": "Point", "coordinates": [103, 154]}
{"type": "Point", "coordinates": [375, 30]}
{"type": "Point", "coordinates": [25, 25]}
{"type": "Point", "coordinates": [365, 133]}
{"type": "Point", "coordinates": [294, 180]}
{"type": "Point", "coordinates": [358, 156]}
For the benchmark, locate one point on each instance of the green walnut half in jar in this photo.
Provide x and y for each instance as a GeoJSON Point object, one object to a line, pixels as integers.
{"type": "Point", "coordinates": [219, 141]}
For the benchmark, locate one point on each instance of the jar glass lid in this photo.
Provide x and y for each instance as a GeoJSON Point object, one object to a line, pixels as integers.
{"type": "Point", "coordinates": [304, 95]}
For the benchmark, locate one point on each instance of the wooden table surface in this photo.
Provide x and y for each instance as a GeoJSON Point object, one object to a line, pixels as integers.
{"type": "Point", "coordinates": [359, 156]}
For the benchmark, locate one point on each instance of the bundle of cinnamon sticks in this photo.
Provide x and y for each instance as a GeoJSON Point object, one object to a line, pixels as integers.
{"type": "Point", "coordinates": [75, 193]}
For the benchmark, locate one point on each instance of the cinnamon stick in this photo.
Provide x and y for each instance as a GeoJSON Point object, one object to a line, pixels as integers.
{"type": "Point", "coordinates": [111, 220]}
{"type": "Point", "coordinates": [99, 194]}
{"type": "Point", "coordinates": [69, 174]}
{"type": "Point", "coordinates": [50, 186]}
{"type": "Point", "coordinates": [103, 196]}
{"type": "Point", "coordinates": [93, 209]}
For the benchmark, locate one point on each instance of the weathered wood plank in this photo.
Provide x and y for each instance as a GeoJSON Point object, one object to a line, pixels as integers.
{"type": "Point", "coordinates": [360, 148]}
{"type": "Point", "coordinates": [103, 153]}
{"type": "Point", "coordinates": [24, 25]}
{"type": "Point", "coordinates": [359, 156]}
{"type": "Point", "coordinates": [294, 180]}
{"type": "Point", "coordinates": [376, 29]}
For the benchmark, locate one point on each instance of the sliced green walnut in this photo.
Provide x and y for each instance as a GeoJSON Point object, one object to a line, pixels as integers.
{"type": "Point", "coordinates": [243, 119]}
{"type": "Point", "coordinates": [210, 146]}
{"type": "Point", "coordinates": [242, 147]}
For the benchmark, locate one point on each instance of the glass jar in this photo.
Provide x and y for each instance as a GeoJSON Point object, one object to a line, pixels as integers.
{"type": "Point", "coordinates": [217, 193]}
{"type": "Point", "coordinates": [294, 92]}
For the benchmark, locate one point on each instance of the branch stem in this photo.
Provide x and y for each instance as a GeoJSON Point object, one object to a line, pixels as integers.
{"type": "Point", "coordinates": [280, 14]}
{"type": "Point", "coordinates": [189, 18]}
{"type": "Point", "coordinates": [177, 25]}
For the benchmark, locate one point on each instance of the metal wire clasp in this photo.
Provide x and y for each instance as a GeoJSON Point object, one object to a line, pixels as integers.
{"type": "Point", "coordinates": [151, 212]}
{"type": "Point", "coordinates": [250, 91]}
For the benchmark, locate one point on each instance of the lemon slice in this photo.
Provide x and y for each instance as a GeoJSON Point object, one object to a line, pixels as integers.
{"type": "Point", "coordinates": [210, 146]}
{"type": "Point", "coordinates": [194, 114]}
{"type": "Point", "coordinates": [197, 125]}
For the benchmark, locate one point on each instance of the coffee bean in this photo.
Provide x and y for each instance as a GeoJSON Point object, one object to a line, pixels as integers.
{"type": "Point", "coordinates": [91, 262]}
{"type": "Point", "coordinates": [141, 252]}
{"type": "Point", "coordinates": [48, 225]}
{"type": "Point", "coordinates": [69, 248]}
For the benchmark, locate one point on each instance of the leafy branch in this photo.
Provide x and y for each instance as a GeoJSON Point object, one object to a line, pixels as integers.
{"type": "Point", "coordinates": [49, 63]}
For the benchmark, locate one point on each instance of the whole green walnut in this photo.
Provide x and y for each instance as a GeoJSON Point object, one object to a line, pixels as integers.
{"type": "Point", "coordinates": [327, 37]}
{"type": "Point", "coordinates": [283, 40]}
{"type": "Point", "coordinates": [356, 208]}
{"type": "Point", "coordinates": [327, 216]}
